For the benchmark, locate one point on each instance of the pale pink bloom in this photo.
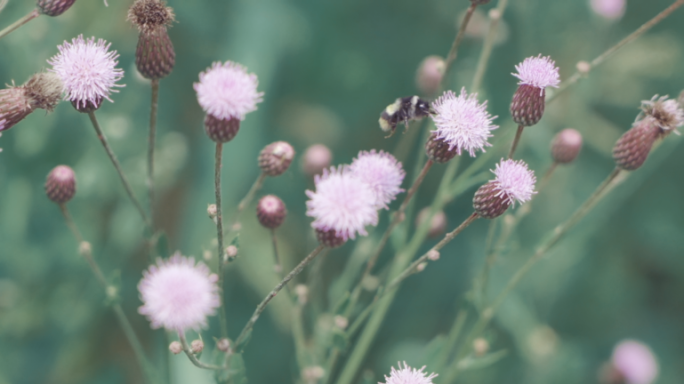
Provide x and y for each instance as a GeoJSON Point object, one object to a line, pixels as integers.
{"type": "Point", "coordinates": [178, 294]}
{"type": "Point", "coordinates": [227, 91]}
{"type": "Point", "coordinates": [408, 375]}
{"type": "Point", "coordinates": [87, 69]}
{"type": "Point", "coordinates": [382, 172]}
{"type": "Point", "coordinates": [540, 72]}
{"type": "Point", "coordinates": [341, 202]}
{"type": "Point", "coordinates": [514, 181]}
{"type": "Point", "coordinates": [462, 122]}
{"type": "Point", "coordinates": [635, 362]}
{"type": "Point", "coordinates": [609, 9]}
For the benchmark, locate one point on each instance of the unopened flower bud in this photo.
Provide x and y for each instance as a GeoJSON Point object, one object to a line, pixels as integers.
{"type": "Point", "coordinates": [316, 158]}
{"type": "Point", "coordinates": [221, 130]}
{"type": "Point", "coordinates": [438, 222]}
{"type": "Point", "coordinates": [154, 56]}
{"type": "Point", "coordinates": [197, 346]}
{"type": "Point", "coordinates": [329, 238]}
{"type": "Point", "coordinates": [433, 255]}
{"type": "Point", "coordinates": [429, 75]}
{"type": "Point", "coordinates": [488, 201]}
{"type": "Point", "coordinates": [302, 292]}
{"type": "Point", "coordinates": [271, 211]}
{"type": "Point", "coordinates": [566, 146]}
{"type": "Point", "coordinates": [175, 347]}
{"type": "Point", "coordinates": [421, 267]}
{"type": "Point", "coordinates": [438, 150]}
{"type": "Point", "coordinates": [583, 67]}
{"type": "Point", "coordinates": [276, 158]}
{"type": "Point", "coordinates": [84, 248]}
{"type": "Point", "coordinates": [231, 251]}
{"type": "Point", "coordinates": [480, 346]}
{"type": "Point", "coordinates": [54, 7]}
{"type": "Point", "coordinates": [341, 322]}
{"type": "Point", "coordinates": [223, 345]}
{"type": "Point", "coordinates": [212, 211]}
{"type": "Point", "coordinates": [60, 186]}
{"type": "Point", "coordinates": [312, 374]}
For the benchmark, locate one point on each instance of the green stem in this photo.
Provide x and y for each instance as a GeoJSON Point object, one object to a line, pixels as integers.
{"type": "Point", "coordinates": [193, 358]}
{"type": "Point", "coordinates": [453, 52]}
{"type": "Point", "coordinates": [495, 16]}
{"type": "Point", "coordinates": [30, 16]}
{"type": "Point", "coordinates": [119, 170]}
{"type": "Point", "coordinates": [246, 200]}
{"type": "Point", "coordinates": [451, 340]}
{"type": "Point", "coordinates": [150, 143]}
{"type": "Point", "coordinates": [516, 140]}
{"type": "Point", "coordinates": [219, 237]}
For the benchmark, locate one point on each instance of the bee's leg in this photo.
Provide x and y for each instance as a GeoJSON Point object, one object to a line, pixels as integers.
{"type": "Point", "coordinates": [394, 129]}
{"type": "Point", "coordinates": [406, 125]}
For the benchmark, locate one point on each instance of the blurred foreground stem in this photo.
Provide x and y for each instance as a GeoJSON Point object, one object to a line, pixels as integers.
{"type": "Point", "coordinates": [246, 200]}
{"type": "Point", "coordinates": [453, 52]}
{"type": "Point", "coordinates": [193, 359]}
{"type": "Point", "coordinates": [495, 16]}
{"type": "Point", "coordinates": [30, 16]}
{"type": "Point", "coordinates": [150, 144]}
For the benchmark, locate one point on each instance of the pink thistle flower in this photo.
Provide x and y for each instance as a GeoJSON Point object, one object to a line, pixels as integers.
{"type": "Point", "coordinates": [88, 70]}
{"type": "Point", "coordinates": [227, 91]}
{"type": "Point", "coordinates": [382, 172]}
{"type": "Point", "coordinates": [609, 9]}
{"type": "Point", "coordinates": [178, 294]}
{"type": "Point", "coordinates": [540, 72]}
{"type": "Point", "coordinates": [342, 203]}
{"type": "Point", "coordinates": [462, 122]}
{"type": "Point", "coordinates": [408, 375]}
{"type": "Point", "coordinates": [514, 181]}
{"type": "Point", "coordinates": [635, 362]}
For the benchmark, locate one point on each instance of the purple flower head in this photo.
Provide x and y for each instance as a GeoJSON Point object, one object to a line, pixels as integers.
{"type": "Point", "coordinates": [227, 91]}
{"type": "Point", "coordinates": [514, 181]}
{"type": "Point", "coordinates": [609, 9]}
{"type": "Point", "coordinates": [342, 202]}
{"type": "Point", "coordinates": [408, 375]}
{"type": "Point", "coordinates": [540, 72]}
{"type": "Point", "coordinates": [87, 69]}
{"type": "Point", "coordinates": [462, 122]}
{"type": "Point", "coordinates": [178, 294]}
{"type": "Point", "coordinates": [635, 362]}
{"type": "Point", "coordinates": [382, 172]}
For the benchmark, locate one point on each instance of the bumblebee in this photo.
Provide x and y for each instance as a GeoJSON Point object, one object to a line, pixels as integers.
{"type": "Point", "coordinates": [403, 109]}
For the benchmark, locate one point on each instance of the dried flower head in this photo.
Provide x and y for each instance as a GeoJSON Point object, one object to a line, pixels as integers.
{"type": "Point", "coordinates": [178, 294]}
{"type": "Point", "coordinates": [609, 9]}
{"type": "Point", "coordinates": [382, 172]}
{"type": "Point", "coordinates": [316, 158]}
{"type": "Point", "coordinates": [408, 375]}
{"type": "Point", "coordinates": [462, 122]}
{"type": "Point", "coordinates": [149, 15]}
{"type": "Point", "coordinates": [87, 69]}
{"type": "Point", "coordinates": [227, 91]}
{"type": "Point", "coordinates": [60, 186]}
{"type": "Point", "coordinates": [668, 113]}
{"type": "Point", "coordinates": [155, 56]}
{"type": "Point", "coordinates": [514, 181]}
{"type": "Point", "coordinates": [276, 158]}
{"type": "Point", "coordinates": [271, 211]}
{"type": "Point", "coordinates": [54, 7]}
{"type": "Point", "coordinates": [342, 204]}
{"type": "Point", "coordinates": [42, 90]}
{"type": "Point", "coordinates": [635, 362]}
{"type": "Point", "coordinates": [540, 72]}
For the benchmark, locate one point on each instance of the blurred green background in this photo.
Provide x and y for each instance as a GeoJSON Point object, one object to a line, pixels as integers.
{"type": "Point", "coordinates": [327, 69]}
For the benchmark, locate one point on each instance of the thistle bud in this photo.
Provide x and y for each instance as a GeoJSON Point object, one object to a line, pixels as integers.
{"type": "Point", "coordinates": [276, 158]}
{"type": "Point", "coordinates": [60, 185]}
{"type": "Point", "coordinates": [154, 56]}
{"type": "Point", "coordinates": [438, 150]}
{"type": "Point", "coordinates": [223, 345]}
{"type": "Point", "coordinates": [197, 346]}
{"type": "Point", "coordinates": [566, 146]}
{"type": "Point", "coordinates": [488, 202]}
{"type": "Point", "coordinates": [221, 130]}
{"type": "Point", "coordinates": [87, 106]}
{"type": "Point", "coordinates": [316, 158]}
{"type": "Point", "coordinates": [42, 90]}
{"type": "Point", "coordinates": [438, 222]}
{"type": "Point", "coordinates": [271, 211]}
{"type": "Point", "coordinates": [429, 75]}
{"type": "Point", "coordinates": [480, 347]}
{"type": "Point", "coordinates": [329, 238]}
{"type": "Point", "coordinates": [54, 7]}
{"type": "Point", "coordinates": [175, 347]}
{"type": "Point", "coordinates": [535, 74]}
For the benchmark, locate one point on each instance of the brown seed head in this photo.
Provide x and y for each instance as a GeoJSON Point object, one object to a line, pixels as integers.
{"type": "Point", "coordinates": [44, 90]}
{"type": "Point", "coordinates": [271, 211]}
{"type": "Point", "coordinates": [528, 104]}
{"type": "Point", "coordinates": [60, 186]}
{"type": "Point", "coordinates": [667, 114]}
{"type": "Point", "coordinates": [149, 15]}
{"type": "Point", "coordinates": [276, 158]}
{"type": "Point", "coordinates": [488, 202]}
{"type": "Point", "coordinates": [566, 146]}
{"type": "Point", "coordinates": [14, 106]}
{"type": "Point", "coordinates": [437, 150]}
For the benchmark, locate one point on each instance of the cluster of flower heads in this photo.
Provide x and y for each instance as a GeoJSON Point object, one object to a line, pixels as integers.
{"type": "Point", "coordinates": [347, 197]}
{"type": "Point", "coordinates": [408, 375]}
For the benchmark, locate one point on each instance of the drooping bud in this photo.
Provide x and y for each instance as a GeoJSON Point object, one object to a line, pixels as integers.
{"type": "Point", "coordinates": [42, 90]}
{"type": "Point", "coordinates": [437, 224]}
{"type": "Point", "coordinates": [175, 347]}
{"type": "Point", "coordinates": [54, 7]}
{"type": "Point", "coordinates": [154, 56]}
{"type": "Point", "coordinates": [438, 150]}
{"type": "Point", "coordinates": [197, 346]}
{"type": "Point", "coordinates": [60, 185]}
{"type": "Point", "coordinates": [329, 238]}
{"type": "Point", "coordinates": [316, 158]}
{"type": "Point", "coordinates": [271, 211]}
{"type": "Point", "coordinates": [276, 158]}
{"type": "Point", "coordinates": [566, 146]}
{"type": "Point", "coordinates": [429, 75]}
{"type": "Point", "coordinates": [221, 130]}
{"type": "Point", "coordinates": [535, 74]}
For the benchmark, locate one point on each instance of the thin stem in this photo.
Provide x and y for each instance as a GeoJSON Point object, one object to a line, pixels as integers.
{"type": "Point", "coordinates": [612, 50]}
{"type": "Point", "coordinates": [278, 265]}
{"type": "Point", "coordinates": [262, 306]}
{"type": "Point", "coordinates": [247, 199]}
{"type": "Point", "coordinates": [516, 140]}
{"type": "Point", "coordinates": [556, 235]}
{"type": "Point", "coordinates": [3, 3]}
{"type": "Point", "coordinates": [219, 236]}
{"type": "Point", "coordinates": [193, 358]}
{"type": "Point", "coordinates": [86, 251]}
{"type": "Point", "coordinates": [495, 16]}
{"type": "Point", "coordinates": [451, 340]}
{"type": "Point", "coordinates": [453, 52]}
{"type": "Point", "coordinates": [150, 143]}
{"type": "Point", "coordinates": [117, 165]}
{"type": "Point", "coordinates": [30, 16]}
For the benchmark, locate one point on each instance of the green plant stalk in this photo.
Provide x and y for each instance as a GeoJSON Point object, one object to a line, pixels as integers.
{"type": "Point", "coordinates": [193, 359]}
{"type": "Point", "coordinates": [246, 200]}
{"type": "Point", "coordinates": [451, 340]}
{"type": "Point", "coordinates": [218, 164]}
{"type": "Point", "coordinates": [453, 52]}
{"type": "Point", "coordinates": [516, 140]}
{"type": "Point", "coordinates": [30, 16]}
{"type": "Point", "coordinates": [150, 143]}
{"type": "Point", "coordinates": [612, 50]}
{"type": "Point", "coordinates": [119, 170]}
{"type": "Point", "coordinates": [483, 61]}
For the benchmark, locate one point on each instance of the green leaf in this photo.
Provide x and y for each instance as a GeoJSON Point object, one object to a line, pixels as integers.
{"type": "Point", "coordinates": [434, 348]}
{"type": "Point", "coordinates": [482, 362]}
{"type": "Point", "coordinates": [162, 244]}
{"type": "Point", "coordinates": [342, 304]}
{"type": "Point", "coordinates": [340, 341]}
